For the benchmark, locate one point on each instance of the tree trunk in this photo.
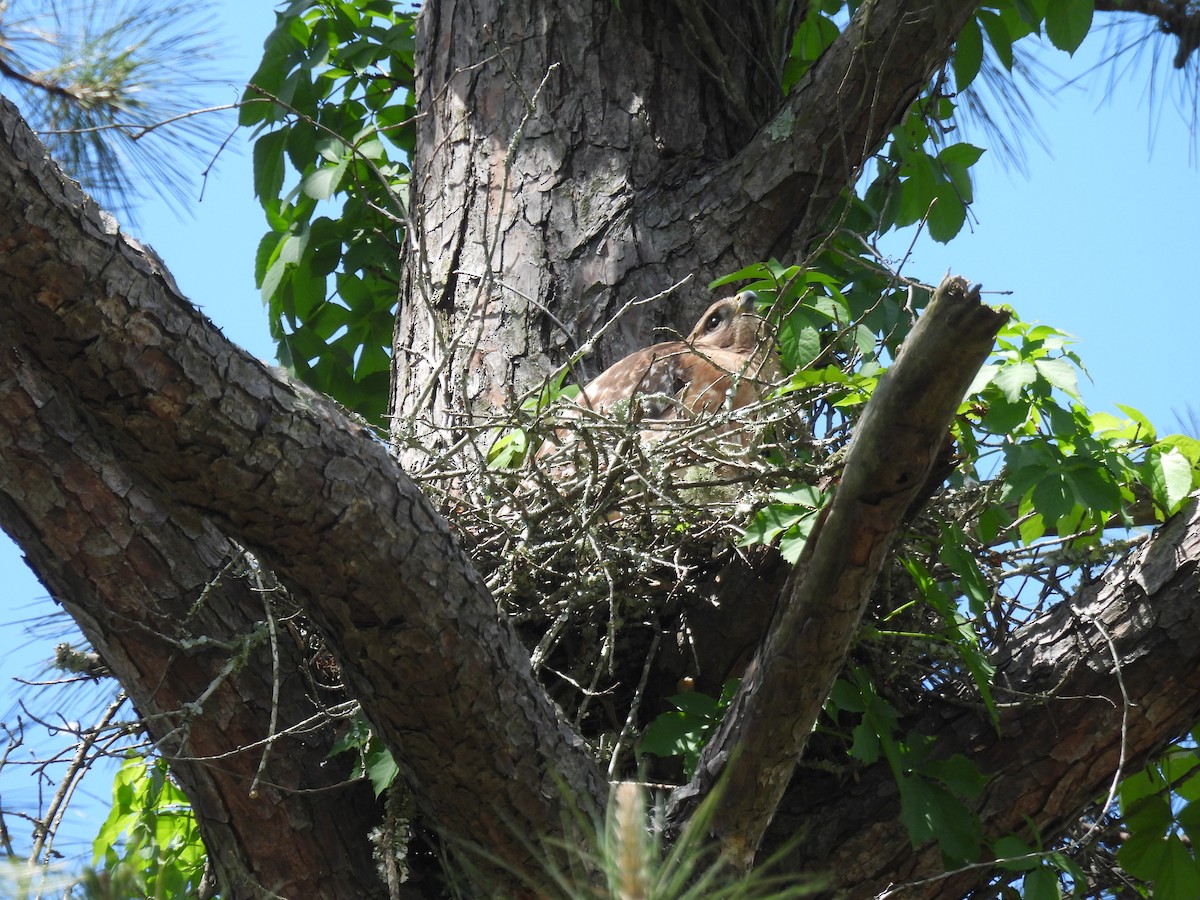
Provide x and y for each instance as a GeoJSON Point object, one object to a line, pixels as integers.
{"type": "Point", "coordinates": [573, 158]}
{"type": "Point", "coordinates": [210, 434]}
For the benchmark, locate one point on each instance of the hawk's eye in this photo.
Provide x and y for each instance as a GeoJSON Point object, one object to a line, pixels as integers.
{"type": "Point", "coordinates": [714, 322]}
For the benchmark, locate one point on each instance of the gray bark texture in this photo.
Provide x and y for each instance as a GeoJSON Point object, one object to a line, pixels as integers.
{"type": "Point", "coordinates": [570, 157]}
{"type": "Point", "coordinates": [571, 160]}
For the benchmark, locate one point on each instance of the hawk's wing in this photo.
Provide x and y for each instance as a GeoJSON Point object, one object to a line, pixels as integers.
{"type": "Point", "coordinates": [683, 376]}
{"type": "Point", "coordinates": [651, 372]}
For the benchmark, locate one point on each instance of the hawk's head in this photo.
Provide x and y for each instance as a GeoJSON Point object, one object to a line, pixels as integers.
{"type": "Point", "coordinates": [730, 324]}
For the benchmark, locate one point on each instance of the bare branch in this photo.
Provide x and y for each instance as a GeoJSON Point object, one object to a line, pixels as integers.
{"type": "Point", "coordinates": [893, 451]}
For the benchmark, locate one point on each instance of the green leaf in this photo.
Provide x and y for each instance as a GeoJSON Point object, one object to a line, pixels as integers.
{"type": "Point", "coordinates": [269, 164]}
{"type": "Point", "coordinates": [845, 696]}
{"type": "Point", "coordinates": [1012, 853]}
{"type": "Point", "coordinates": [1052, 497]}
{"type": "Point", "coordinates": [947, 213]}
{"type": "Point", "coordinates": [1144, 804]}
{"type": "Point", "coordinates": [1068, 22]}
{"type": "Point", "coordinates": [799, 341]}
{"type": "Point", "coordinates": [931, 812]}
{"type": "Point", "coordinates": [957, 159]}
{"type": "Point", "coordinates": [998, 35]}
{"type": "Point", "coordinates": [1165, 862]}
{"type": "Point", "coordinates": [1041, 884]}
{"type": "Point", "coordinates": [1060, 373]}
{"type": "Point", "coordinates": [1169, 475]}
{"type": "Point", "coordinates": [968, 54]}
{"type": "Point", "coordinates": [1093, 486]}
{"type": "Point", "coordinates": [962, 562]}
{"type": "Point", "coordinates": [960, 775]}
{"type": "Point", "coordinates": [865, 746]}
{"type": "Point", "coordinates": [1188, 446]}
{"type": "Point", "coordinates": [1146, 430]}
{"type": "Point", "coordinates": [757, 270]}
{"type": "Point", "coordinates": [670, 734]}
{"type": "Point", "coordinates": [1181, 767]}
{"type": "Point", "coordinates": [682, 732]}
{"type": "Point", "coordinates": [321, 184]}
{"type": "Point", "coordinates": [1142, 854]}
{"type": "Point", "coordinates": [381, 768]}
{"type": "Point", "coordinates": [794, 540]}
{"type": "Point", "coordinates": [1031, 529]}
{"type": "Point", "coordinates": [1189, 820]}
{"type": "Point", "coordinates": [1013, 378]}
{"type": "Point", "coordinates": [1178, 877]}
{"type": "Point", "coordinates": [770, 522]}
{"type": "Point", "coordinates": [508, 450]}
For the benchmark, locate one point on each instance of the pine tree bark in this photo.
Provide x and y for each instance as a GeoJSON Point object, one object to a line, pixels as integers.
{"type": "Point", "coordinates": [571, 160]}
{"type": "Point", "coordinates": [209, 433]}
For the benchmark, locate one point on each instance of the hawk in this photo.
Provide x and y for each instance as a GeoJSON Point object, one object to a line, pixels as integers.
{"type": "Point", "coordinates": [722, 364]}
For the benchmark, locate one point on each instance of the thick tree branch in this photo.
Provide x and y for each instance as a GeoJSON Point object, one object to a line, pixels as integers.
{"type": "Point", "coordinates": [287, 473]}
{"type": "Point", "coordinates": [902, 429]}
{"type": "Point", "coordinates": [778, 192]}
{"type": "Point", "coordinates": [1063, 721]}
{"type": "Point", "coordinates": [165, 600]}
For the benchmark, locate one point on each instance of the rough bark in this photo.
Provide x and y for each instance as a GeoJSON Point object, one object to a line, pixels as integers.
{"type": "Point", "coordinates": [157, 593]}
{"type": "Point", "coordinates": [571, 160]}
{"type": "Point", "coordinates": [1071, 724]}
{"type": "Point", "coordinates": [890, 458]}
{"type": "Point", "coordinates": [214, 434]}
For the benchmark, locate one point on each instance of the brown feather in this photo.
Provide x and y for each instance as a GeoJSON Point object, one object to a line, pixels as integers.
{"type": "Point", "coordinates": [729, 346]}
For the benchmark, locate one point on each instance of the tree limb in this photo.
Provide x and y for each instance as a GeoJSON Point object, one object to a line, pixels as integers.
{"type": "Point", "coordinates": [779, 190]}
{"type": "Point", "coordinates": [1065, 725]}
{"type": "Point", "coordinates": [765, 729]}
{"type": "Point", "coordinates": [287, 473]}
{"type": "Point", "coordinates": [158, 594]}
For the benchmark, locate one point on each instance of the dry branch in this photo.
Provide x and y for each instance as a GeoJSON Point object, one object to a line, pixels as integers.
{"type": "Point", "coordinates": [888, 461]}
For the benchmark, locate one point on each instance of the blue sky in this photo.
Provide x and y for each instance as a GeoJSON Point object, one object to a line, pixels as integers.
{"type": "Point", "coordinates": [1099, 240]}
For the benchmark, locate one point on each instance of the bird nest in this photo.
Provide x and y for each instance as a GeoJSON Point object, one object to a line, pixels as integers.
{"type": "Point", "coordinates": [617, 545]}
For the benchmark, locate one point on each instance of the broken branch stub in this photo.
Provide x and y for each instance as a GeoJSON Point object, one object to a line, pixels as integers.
{"type": "Point", "coordinates": [902, 429]}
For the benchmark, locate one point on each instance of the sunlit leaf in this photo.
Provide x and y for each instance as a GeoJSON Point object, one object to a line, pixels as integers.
{"type": "Point", "coordinates": [1012, 379]}
{"type": "Point", "coordinates": [1169, 475]}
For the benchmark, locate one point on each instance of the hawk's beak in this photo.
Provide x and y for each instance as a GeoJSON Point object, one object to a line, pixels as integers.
{"type": "Point", "coordinates": [746, 300]}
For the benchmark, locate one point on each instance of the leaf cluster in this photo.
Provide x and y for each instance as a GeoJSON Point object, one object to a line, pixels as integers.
{"type": "Point", "coordinates": [149, 845]}
{"type": "Point", "coordinates": [332, 105]}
